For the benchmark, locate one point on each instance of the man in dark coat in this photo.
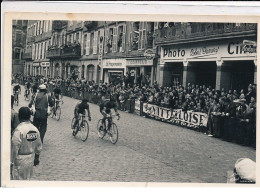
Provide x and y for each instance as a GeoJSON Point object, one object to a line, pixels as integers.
{"type": "Point", "coordinates": [42, 100]}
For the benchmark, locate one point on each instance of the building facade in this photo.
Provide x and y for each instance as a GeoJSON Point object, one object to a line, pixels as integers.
{"type": "Point", "coordinates": [18, 43]}
{"type": "Point", "coordinates": [93, 50]}
{"type": "Point", "coordinates": [220, 55]}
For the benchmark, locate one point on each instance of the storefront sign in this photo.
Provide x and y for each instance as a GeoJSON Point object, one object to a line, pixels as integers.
{"type": "Point", "coordinates": [232, 48]}
{"type": "Point", "coordinates": [113, 63]}
{"type": "Point", "coordinates": [45, 64]}
{"type": "Point", "coordinates": [139, 62]}
{"type": "Point", "coordinates": [149, 54]}
{"type": "Point", "coordinates": [101, 42]}
{"type": "Point", "coordinates": [36, 64]}
{"type": "Point", "coordinates": [176, 116]}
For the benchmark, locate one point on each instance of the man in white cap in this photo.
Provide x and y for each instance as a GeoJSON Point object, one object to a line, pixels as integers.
{"type": "Point", "coordinates": [42, 100]}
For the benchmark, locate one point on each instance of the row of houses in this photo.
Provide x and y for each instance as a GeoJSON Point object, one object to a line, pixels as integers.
{"type": "Point", "coordinates": [221, 55]}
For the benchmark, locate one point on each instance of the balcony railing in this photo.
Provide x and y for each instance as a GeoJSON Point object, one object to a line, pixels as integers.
{"type": "Point", "coordinates": [53, 53]}
{"type": "Point", "coordinates": [43, 36]}
{"type": "Point", "coordinates": [71, 51]}
{"type": "Point", "coordinates": [180, 33]}
{"type": "Point", "coordinates": [30, 39]}
{"type": "Point", "coordinates": [27, 55]}
{"type": "Point", "coordinates": [75, 26]}
{"type": "Point", "coordinates": [90, 24]}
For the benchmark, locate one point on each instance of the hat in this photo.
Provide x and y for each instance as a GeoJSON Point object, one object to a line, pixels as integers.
{"type": "Point", "coordinates": [42, 87]}
{"type": "Point", "coordinates": [246, 169]}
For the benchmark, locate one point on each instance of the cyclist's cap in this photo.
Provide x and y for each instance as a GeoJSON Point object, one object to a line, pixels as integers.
{"type": "Point", "coordinates": [42, 87]}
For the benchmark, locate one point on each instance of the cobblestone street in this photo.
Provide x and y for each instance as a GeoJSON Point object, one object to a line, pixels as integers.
{"type": "Point", "coordinates": [146, 151]}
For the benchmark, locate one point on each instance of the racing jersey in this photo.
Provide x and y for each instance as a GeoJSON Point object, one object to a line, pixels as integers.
{"type": "Point", "coordinates": [57, 92]}
{"type": "Point", "coordinates": [28, 85]}
{"type": "Point", "coordinates": [107, 106]}
{"type": "Point", "coordinates": [80, 108]}
{"type": "Point", "coordinates": [25, 142]}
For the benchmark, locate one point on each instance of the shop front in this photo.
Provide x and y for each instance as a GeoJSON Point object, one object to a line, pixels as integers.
{"type": "Point", "coordinates": [45, 67]}
{"type": "Point", "coordinates": [90, 71]}
{"type": "Point", "coordinates": [113, 70]}
{"type": "Point", "coordinates": [227, 64]}
{"type": "Point", "coordinates": [139, 70]}
{"type": "Point", "coordinates": [36, 69]}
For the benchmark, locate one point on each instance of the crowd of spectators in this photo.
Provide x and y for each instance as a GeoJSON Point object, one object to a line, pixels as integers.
{"type": "Point", "coordinates": [231, 114]}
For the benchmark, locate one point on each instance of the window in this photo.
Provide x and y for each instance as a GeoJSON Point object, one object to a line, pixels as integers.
{"type": "Point", "coordinates": [142, 35]}
{"type": "Point", "coordinates": [84, 44]}
{"type": "Point", "coordinates": [88, 44]}
{"type": "Point", "coordinates": [17, 53]}
{"type": "Point", "coordinates": [18, 37]}
{"type": "Point", "coordinates": [95, 43]}
{"type": "Point", "coordinates": [134, 36]}
{"type": "Point", "coordinates": [150, 33]}
{"type": "Point", "coordinates": [19, 22]}
{"type": "Point", "coordinates": [91, 43]}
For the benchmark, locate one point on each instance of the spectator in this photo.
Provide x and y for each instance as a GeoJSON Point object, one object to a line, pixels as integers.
{"type": "Point", "coordinates": [14, 116]}
{"type": "Point", "coordinates": [42, 100]}
{"type": "Point", "coordinates": [26, 147]}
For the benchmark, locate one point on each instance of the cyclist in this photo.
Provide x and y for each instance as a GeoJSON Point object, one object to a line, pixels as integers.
{"type": "Point", "coordinates": [105, 109]}
{"type": "Point", "coordinates": [27, 89]}
{"type": "Point", "coordinates": [57, 96]}
{"type": "Point", "coordinates": [81, 108]}
{"type": "Point", "coordinates": [16, 91]}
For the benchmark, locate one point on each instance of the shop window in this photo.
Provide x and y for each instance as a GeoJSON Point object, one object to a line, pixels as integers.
{"type": "Point", "coordinates": [77, 37]}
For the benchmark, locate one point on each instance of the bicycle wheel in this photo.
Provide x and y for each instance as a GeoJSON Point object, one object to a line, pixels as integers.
{"type": "Point", "coordinates": [84, 130]}
{"type": "Point", "coordinates": [113, 133]}
{"type": "Point", "coordinates": [52, 114]}
{"type": "Point", "coordinates": [100, 129]}
{"type": "Point", "coordinates": [58, 113]}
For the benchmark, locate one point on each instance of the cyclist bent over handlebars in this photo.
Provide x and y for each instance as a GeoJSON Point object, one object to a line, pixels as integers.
{"type": "Point", "coordinates": [105, 109]}
{"type": "Point", "coordinates": [81, 108]}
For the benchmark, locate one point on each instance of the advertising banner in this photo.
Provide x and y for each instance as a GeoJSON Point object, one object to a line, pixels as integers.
{"type": "Point", "coordinates": [176, 116]}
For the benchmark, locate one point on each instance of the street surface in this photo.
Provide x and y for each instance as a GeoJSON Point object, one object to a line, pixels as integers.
{"type": "Point", "coordinates": [146, 151]}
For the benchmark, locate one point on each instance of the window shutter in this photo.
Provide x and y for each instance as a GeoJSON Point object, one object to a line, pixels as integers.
{"type": "Point", "coordinates": [33, 50]}
{"type": "Point", "coordinates": [95, 46]}
{"type": "Point", "coordinates": [114, 40]}
{"type": "Point", "coordinates": [43, 49]}
{"type": "Point", "coordinates": [106, 39]}
{"type": "Point", "coordinates": [123, 38]}
{"type": "Point", "coordinates": [84, 44]}
{"type": "Point", "coordinates": [140, 35]}
{"type": "Point", "coordinates": [88, 44]}
{"type": "Point", "coordinates": [144, 35]}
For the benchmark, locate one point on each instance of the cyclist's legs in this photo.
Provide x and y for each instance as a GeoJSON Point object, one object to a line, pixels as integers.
{"type": "Point", "coordinates": [109, 122]}
{"type": "Point", "coordinates": [76, 115]}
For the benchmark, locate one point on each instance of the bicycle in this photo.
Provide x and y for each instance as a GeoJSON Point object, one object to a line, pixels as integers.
{"type": "Point", "coordinates": [56, 110]}
{"type": "Point", "coordinates": [112, 132]}
{"type": "Point", "coordinates": [82, 126]}
{"type": "Point", "coordinates": [27, 95]}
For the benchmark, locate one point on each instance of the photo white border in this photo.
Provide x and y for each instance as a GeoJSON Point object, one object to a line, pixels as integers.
{"type": "Point", "coordinates": [162, 11]}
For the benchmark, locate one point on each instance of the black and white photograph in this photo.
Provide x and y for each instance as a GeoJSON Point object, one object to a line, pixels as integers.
{"type": "Point", "coordinates": [133, 101]}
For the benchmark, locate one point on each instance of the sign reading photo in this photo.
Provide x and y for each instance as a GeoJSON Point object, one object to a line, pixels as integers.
{"type": "Point", "coordinates": [231, 48]}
